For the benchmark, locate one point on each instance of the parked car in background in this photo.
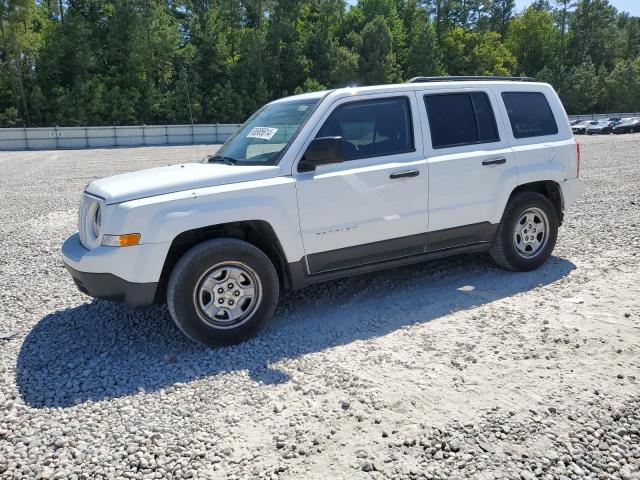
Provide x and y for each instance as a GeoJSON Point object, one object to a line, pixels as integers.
{"type": "Point", "coordinates": [580, 128]}
{"type": "Point", "coordinates": [627, 125]}
{"type": "Point", "coordinates": [601, 127]}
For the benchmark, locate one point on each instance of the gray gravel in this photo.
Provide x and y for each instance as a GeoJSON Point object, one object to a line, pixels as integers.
{"type": "Point", "coordinates": [452, 369]}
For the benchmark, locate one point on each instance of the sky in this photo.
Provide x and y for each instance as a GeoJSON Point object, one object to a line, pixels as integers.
{"type": "Point", "coordinates": [631, 6]}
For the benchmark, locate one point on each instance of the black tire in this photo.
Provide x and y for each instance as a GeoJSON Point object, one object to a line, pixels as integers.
{"type": "Point", "coordinates": [503, 249]}
{"type": "Point", "coordinates": [200, 263]}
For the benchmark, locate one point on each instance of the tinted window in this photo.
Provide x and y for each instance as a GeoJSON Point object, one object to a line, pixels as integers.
{"type": "Point", "coordinates": [371, 128]}
{"type": "Point", "coordinates": [529, 114]}
{"type": "Point", "coordinates": [486, 121]}
{"type": "Point", "coordinates": [460, 119]}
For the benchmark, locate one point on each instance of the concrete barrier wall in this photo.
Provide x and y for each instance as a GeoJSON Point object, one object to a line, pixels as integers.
{"type": "Point", "coordinates": [101, 137]}
{"type": "Point", "coordinates": [140, 135]}
{"type": "Point", "coordinates": [596, 116]}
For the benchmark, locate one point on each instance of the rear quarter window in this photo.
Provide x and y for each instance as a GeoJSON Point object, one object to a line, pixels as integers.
{"type": "Point", "coordinates": [530, 114]}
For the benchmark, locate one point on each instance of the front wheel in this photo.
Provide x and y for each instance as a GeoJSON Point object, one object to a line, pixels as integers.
{"type": "Point", "coordinates": [527, 233]}
{"type": "Point", "coordinates": [221, 291]}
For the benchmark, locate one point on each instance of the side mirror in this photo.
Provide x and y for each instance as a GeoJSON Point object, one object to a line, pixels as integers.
{"type": "Point", "coordinates": [322, 151]}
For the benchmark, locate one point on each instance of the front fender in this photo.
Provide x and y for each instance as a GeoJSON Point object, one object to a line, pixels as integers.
{"type": "Point", "coordinates": [162, 218]}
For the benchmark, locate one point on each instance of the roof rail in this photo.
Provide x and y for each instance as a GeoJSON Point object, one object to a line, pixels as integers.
{"type": "Point", "coordinates": [469, 79]}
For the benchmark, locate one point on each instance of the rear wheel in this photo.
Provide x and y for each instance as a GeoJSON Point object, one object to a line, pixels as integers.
{"type": "Point", "coordinates": [527, 233]}
{"type": "Point", "coordinates": [221, 291]}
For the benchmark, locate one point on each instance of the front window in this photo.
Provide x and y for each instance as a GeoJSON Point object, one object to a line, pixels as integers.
{"type": "Point", "coordinates": [266, 133]}
{"type": "Point", "coordinates": [371, 128]}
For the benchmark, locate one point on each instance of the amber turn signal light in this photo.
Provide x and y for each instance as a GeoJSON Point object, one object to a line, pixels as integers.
{"type": "Point", "coordinates": [127, 240]}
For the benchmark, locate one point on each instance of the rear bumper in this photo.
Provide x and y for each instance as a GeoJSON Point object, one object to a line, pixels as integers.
{"type": "Point", "coordinates": [571, 189]}
{"type": "Point", "coordinates": [109, 287]}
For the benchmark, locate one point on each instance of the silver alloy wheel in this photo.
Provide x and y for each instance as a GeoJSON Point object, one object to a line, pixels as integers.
{"type": "Point", "coordinates": [530, 233]}
{"type": "Point", "coordinates": [228, 294]}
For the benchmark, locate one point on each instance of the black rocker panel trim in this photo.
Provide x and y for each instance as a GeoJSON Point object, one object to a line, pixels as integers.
{"type": "Point", "coordinates": [366, 253]}
{"type": "Point", "coordinates": [456, 236]}
{"type": "Point", "coordinates": [400, 247]}
{"type": "Point", "coordinates": [299, 278]}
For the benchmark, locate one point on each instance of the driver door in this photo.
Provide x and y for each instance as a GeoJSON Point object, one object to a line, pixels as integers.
{"type": "Point", "coordinates": [373, 206]}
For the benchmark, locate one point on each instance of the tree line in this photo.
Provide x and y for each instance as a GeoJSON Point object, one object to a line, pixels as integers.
{"type": "Point", "coordinates": [105, 62]}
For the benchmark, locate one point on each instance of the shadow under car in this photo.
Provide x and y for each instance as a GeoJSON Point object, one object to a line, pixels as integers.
{"type": "Point", "coordinates": [101, 350]}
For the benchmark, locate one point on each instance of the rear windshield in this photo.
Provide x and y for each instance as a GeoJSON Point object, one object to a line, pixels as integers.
{"type": "Point", "coordinates": [530, 114]}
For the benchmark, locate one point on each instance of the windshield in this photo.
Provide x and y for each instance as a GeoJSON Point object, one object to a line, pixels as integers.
{"type": "Point", "coordinates": [265, 134]}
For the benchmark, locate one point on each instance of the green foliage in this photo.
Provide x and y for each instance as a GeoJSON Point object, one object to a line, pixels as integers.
{"type": "Point", "coordinates": [593, 32]}
{"type": "Point", "coordinates": [622, 87]}
{"type": "Point", "coordinates": [425, 56]}
{"type": "Point", "coordinates": [310, 85]}
{"type": "Point", "coordinates": [377, 60]}
{"type": "Point", "coordinates": [103, 62]}
{"type": "Point", "coordinates": [532, 39]}
{"type": "Point", "coordinates": [476, 53]}
{"type": "Point", "coordinates": [581, 87]}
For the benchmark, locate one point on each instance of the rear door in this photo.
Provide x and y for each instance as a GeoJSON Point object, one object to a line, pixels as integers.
{"type": "Point", "coordinates": [372, 207]}
{"type": "Point", "coordinates": [471, 165]}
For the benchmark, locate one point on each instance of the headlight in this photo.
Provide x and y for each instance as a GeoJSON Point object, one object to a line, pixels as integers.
{"type": "Point", "coordinates": [97, 221]}
{"type": "Point", "coordinates": [90, 221]}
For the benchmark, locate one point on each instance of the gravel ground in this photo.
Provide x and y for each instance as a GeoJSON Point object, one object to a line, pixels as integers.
{"type": "Point", "coordinates": [451, 369]}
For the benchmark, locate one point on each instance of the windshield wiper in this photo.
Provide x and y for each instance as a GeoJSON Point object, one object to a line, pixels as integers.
{"type": "Point", "coordinates": [221, 159]}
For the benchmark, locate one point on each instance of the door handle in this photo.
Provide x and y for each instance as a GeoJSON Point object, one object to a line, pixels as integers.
{"type": "Point", "coordinates": [497, 161]}
{"type": "Point", "coordinates": [407, 174]}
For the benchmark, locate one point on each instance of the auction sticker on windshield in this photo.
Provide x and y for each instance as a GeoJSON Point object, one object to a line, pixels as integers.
{"type": "Point", "coordinates": [265, 133]}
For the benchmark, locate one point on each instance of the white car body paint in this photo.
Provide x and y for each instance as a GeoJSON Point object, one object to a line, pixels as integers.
{"type": "Point", "coordinates": [163, 217]}
{"type": "Point", "coordinates": [174, 178]}
{"type": "Point", "coordinates": [356, 201]}
{"type": "Point", "coordinates": [336, 206]}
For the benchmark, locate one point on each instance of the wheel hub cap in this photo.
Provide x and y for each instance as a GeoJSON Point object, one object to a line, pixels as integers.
{"type": "Point", "coordinates": [530, 232]}
{"type": "Point", "coordinates": [228, 294]}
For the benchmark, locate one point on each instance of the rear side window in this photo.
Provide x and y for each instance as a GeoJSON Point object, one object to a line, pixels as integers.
{"type": "Point", "coordinates": [457, 119]}
{"type": "Point", "coordinates": [371, 128]}
{"type": "Point", "coordinates": [530, 114]}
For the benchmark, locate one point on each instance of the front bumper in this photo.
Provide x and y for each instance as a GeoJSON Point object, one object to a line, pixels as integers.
{"type": "Point", "coordinates": [129, 274]}
{"type": "Point", "coordinates": [109, 287]}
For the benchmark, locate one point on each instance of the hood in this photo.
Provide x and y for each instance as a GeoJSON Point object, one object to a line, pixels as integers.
{"type": "Point", "coordinates": [175, 178]}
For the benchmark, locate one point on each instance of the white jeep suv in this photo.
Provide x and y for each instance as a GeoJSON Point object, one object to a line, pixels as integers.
{"type": "Point", "coordinates": [331, 184]}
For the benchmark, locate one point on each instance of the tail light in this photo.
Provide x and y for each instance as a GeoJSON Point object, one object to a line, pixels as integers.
{"type": "Point", "coordinates": [578, 163]}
